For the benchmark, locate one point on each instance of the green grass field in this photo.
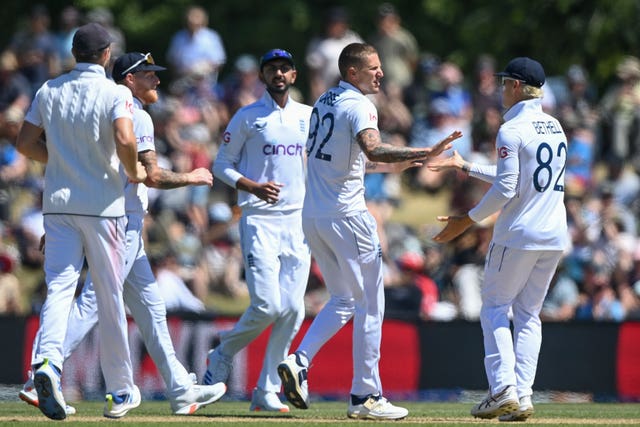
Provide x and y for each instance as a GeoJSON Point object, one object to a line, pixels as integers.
{"type": "Point", "coordinates": [324, 414]}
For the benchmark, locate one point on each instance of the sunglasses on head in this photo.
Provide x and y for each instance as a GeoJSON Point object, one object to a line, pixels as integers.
{"type": "Point", "coordinates": [145, 59]}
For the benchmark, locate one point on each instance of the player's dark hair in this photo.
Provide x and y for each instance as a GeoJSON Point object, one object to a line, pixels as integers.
{"type": "Point", "coordinates": [91, 57]}
{"type": "Point", "coordinates": [354, 55]}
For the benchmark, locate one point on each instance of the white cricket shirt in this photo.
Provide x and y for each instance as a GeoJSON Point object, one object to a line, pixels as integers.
{"type": "Point", "coordinates": [527, 181]}
{"type": "Point", "coordinates": [77, 111]}
{"type": "Point", "coordinates": [335, 162]}
{"type": "Point", "coordinates": [136, 195]}
{"type": "Point", "coordinates": [264, 142]}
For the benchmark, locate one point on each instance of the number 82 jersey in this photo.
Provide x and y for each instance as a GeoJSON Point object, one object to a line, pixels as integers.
{"type": "Point", "coordinates": [529, 181]}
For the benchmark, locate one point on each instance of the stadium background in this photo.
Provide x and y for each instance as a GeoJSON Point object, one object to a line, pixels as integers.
{"type": "Point", "coordinates": [420, 359]}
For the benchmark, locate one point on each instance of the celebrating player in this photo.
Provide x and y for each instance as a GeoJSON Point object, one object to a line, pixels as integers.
{"type": "Point", "coordinates": [341, 232]}
{"type": "Point", "coordinates": [263, 157]}
{"type": "Point", "coordinates": [528, 237]}
{"type": "Point", "coordinates": [87, 120]}
{"type": "Point", "coordinates": [141, 294]}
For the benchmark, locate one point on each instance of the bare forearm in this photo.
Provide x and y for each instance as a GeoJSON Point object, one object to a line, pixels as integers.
{"type": "Point", "coordinates": [165, 179]}
{"type": "Point", "coordinates": [378, 151]}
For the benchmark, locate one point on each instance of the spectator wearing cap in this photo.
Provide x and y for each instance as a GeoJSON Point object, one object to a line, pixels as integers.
{"type": "Point", "coordinates": [262, 157]}
{"type": "Point", "coordinates": [88, 123]}
{"type": "Point", "coordinates": [396, 46]}
{"type": "Point", "coordinates": [323, 50]}
{"type": "Point", "coordinates": [620, 112]}
{"type": "Point", "coordinates": [243, 87]}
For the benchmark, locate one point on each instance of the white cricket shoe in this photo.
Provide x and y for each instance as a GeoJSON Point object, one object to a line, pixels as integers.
{"type": "Point", "coordinates": [49, 391]}
{"type": "Point", "coordinates": [29, 395]}
{"type": "Point", "coordinates": [118, 406]}
{"type": "Point", "coordinates": [198, 396]}
{"type": "Point", "coordinates": [293, 375]}
{"type": "Point", "coordinates": [262, 400]}
{"type": "Point", "coordinates": [499, 404]}
{"type": "Point", "coordinates": [376, 408]}
{"type": "Point", "coordinates": [218, 368]}
{"type": "Point", "coordinates": [522, 414]}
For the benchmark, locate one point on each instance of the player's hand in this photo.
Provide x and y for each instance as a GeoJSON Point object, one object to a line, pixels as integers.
{"type": "Point", "coordinates": [201, 176]}
{"type": "Point", "coordinates": [445, 144]}
{"type": "Point", "coordinates": [456, 225]}
{"type": "Point", "coordinates": [269, 191]}
{"type": "Point", "coordinates": [404, 165]}
{"type": "Point", "coordinates": [453, 161]}
{"type": "Point", "coordinates": [140, 174]}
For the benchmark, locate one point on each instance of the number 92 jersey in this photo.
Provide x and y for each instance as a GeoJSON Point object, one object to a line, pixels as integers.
{"type": "Point", "coordinates": [529, 184]}
{"type": "Point", "coordinates": [335, 162]}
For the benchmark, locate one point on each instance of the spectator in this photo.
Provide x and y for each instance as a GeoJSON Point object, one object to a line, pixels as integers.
{"type": "Point", "coordinates": [13, 165]}
{"type": "Point", "coordinates": [323, 51]}
{"type": "Point", "coordinates": [244, 86]}
{"type": "Point", "coordinates": [11, 299]}
{"type": "Point", "coordinates": [196, 48]}
{"type": "Point", "coordinates": [176, 294]}
{"type": "Point", "coordinates": [619, 111]}
{"type": "Point", "coordinates": [562, 299]}
{"type": "Point", "coordinates": [35, 49]}
{"type": "Point", "coordinates": [396, 46]}
{"type": "Point", "coordinates": [223, 254]}
{"type": "Point", "coordinates": [15, 89]}
{"type": "Point", "coordinates": [69, 23]}
{"type": "Point", "coordinates": [103, 16]}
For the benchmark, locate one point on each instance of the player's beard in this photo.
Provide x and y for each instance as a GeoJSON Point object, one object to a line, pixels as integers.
{"type": "Point", "coordinates": [271, 88]}
{"type": "Point", "coordinates": [149, 97]}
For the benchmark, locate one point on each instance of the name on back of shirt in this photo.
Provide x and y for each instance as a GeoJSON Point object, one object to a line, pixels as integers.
{"type": "Point", "coordinates": [545, 128]}
{"type": "Point", "coordinates": [329, 98]}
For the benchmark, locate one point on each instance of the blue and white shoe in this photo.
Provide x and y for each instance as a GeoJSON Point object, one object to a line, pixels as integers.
{"type": "Point", "coordinates": [118, 406]}
{"type": "Point", "coordinates": [293, 374]}
{"type": "Point", "coordinates": [49, 390]}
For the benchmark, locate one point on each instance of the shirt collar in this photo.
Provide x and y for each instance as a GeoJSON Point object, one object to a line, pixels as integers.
{"type": "Point", "coordinates": [268, 100]}
{"type": "Point", "coordinates": [346, 85]}
{"type": "Point", "coordinates": [526, 105]}
{"type": "Point", "coordinates": [93, 68]}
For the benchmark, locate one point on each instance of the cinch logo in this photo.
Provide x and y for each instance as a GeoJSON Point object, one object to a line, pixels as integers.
{"type": "Point", "coordinates": [129, 106]}
{"type": "Point", "coordinates": [280, 149]}
{"type": "Point", "coordinates": [226, 137]}
{"type": "Point", "coordinates": [502, 152]}
{"type": "Point", "coordinates": [373, 117]}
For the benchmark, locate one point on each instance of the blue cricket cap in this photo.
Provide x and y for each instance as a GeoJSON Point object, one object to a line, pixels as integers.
{"type": "Point", "coordinates": [526, 70]}
{"type": "Point", "coordinates": [274, 54]}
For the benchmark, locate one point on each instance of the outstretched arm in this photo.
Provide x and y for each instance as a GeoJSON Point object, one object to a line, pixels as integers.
{"type": "Point", "coordinates": [378, 151]}
{"type": "Point", "coordinates": [158, 177]}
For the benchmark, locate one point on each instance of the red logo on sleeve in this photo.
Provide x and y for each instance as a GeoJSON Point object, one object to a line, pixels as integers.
{"type": "Point", "coordinates": [226, 137]}
{"type": "Point", "coordinates": [503, 152]}
{"type": "Point", "coordinates": [373, 117]}
{"type": "Point", "coordinates": [129, 106]}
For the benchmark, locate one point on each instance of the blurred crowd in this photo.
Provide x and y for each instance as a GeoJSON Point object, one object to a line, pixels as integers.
{"type": "Point", "coordinates": [191, 232]}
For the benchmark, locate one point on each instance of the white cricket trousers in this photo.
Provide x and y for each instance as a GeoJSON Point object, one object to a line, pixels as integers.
{"type": "Point", "coordinates": [142, 296]}
{"type": "Point", "coordinates": [69, 239]}
{"type": "Point", "coordinates": [349, 255]}
{"type": "Point", "coordinates": [514, 279]}
{"type": "Point", "coordinates": [277, 261]}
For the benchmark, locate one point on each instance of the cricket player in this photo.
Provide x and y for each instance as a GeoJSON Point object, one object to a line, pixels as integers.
{"type": "Point", "coordinates": [262, 155]}
{"type": "Point", "coordinates": [343, 142]}
{"type": "Point", "coordinates": [529, 237]}
{"type": "Point", "coordinates": [137, 71]}
{"type": "Point", "coordinates": [88, 123]}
